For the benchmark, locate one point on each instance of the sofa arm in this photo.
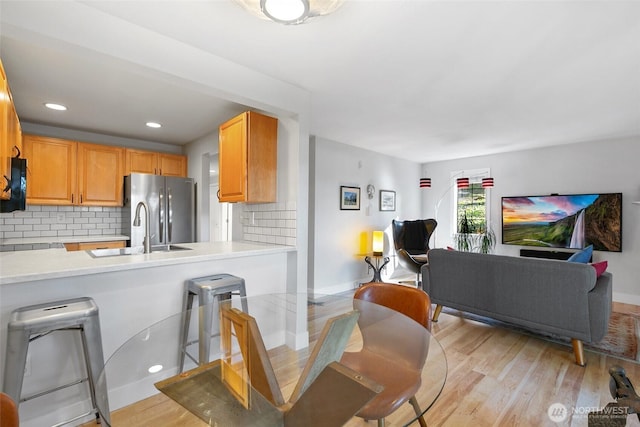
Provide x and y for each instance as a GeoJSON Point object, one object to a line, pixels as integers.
{"type": "Point", "coordinates": [600, 298]}
{"type": "Point", "coordinates": [424, 271]}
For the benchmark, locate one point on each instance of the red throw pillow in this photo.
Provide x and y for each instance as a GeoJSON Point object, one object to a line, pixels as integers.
{"type": "Point", "coordinates": [600, 267]}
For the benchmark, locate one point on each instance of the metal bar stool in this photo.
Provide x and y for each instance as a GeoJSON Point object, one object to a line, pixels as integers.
{"type": "Point", "coordinates": [210, 290]}
{"type": "Point", "coordinates": [30, 323]}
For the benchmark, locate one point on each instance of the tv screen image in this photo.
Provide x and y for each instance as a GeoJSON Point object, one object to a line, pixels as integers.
{"type": "Point", "coordinates": [564, 221]}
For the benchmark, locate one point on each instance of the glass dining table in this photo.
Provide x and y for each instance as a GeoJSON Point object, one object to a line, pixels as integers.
{"type": "Point", "coordinates": [281, 367]}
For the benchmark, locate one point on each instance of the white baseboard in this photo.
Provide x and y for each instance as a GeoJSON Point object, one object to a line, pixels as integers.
{"type": "Point", "coordinates": [626, 298]}
{"type": "Point", "coordinates": [335, 289]}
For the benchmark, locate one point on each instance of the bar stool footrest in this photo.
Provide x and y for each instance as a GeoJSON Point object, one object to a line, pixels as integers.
{"type": "Point", "coordinates": [58, 388]}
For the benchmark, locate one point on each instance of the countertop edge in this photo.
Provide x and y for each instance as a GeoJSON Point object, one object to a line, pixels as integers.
{"type": "Point", "coordinates": [81, 263]}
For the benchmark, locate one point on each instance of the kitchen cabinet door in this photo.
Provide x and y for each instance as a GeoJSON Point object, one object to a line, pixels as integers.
{"type": "Point", "coordinates": [4, 134]}
{"type": "Point", "coordinates": [10, 133]}
{"type": "Point", "coordinates": [172, 165]}
{"type": "Point", "coordinates": [51, 170]}
{"type": "Point", "coordinates": [100, 175]}
{"type": "Point", "coordinates": [248, 158]}
{"type": "Point", "coordinates": [90, 246]}
{"type": "Point", "coordinates": [140, 161]}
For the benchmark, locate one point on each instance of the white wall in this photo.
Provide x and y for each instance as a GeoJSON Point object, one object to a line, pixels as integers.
{"type": "Point", "coordinates": [334, 261]}
{"type": "Point", "coordinates": [601, 166]}
{"type": "Point", "coordinates": [198, 152]}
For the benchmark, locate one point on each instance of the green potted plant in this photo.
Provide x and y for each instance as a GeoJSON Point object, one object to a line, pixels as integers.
{"type": "Point", "coordinates": [486, 241]}
{"type": "Point", "coordinates": [464, 238]}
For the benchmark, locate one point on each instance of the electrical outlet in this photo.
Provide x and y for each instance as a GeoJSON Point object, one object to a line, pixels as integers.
{"type": "Point", "coordinates": [60, 217]}
{"type": "Point", "coordinates": [27, 366]}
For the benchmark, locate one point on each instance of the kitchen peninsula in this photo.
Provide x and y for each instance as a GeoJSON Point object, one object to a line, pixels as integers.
{"type": "Point", "coordinates": [131, 291]}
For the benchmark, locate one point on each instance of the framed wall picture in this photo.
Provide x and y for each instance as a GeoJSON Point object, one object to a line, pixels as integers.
{"type": "Point", "coordinates": [387, 200]}
{"type": "Point", "coordinates": [349, 198]}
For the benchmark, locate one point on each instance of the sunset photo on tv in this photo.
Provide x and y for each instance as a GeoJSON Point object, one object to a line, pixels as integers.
{"type": "Point", "coordinates": [564, 221]}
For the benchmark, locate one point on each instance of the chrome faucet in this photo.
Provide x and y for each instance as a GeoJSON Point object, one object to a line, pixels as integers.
{"type": "Point", "coordinates": [136, 223]}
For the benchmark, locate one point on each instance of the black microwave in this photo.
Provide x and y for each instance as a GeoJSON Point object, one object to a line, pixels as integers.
{"type": "Point", "coordinates": [17, 183]}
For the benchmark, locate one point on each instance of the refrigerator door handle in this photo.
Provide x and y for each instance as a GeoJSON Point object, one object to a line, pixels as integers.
{"type": "Point", "coordinates": [170, 218]}
{"type": "Point", "coordinates": [161, 214]}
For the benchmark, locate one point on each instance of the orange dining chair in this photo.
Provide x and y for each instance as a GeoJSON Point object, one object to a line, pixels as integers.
{"type": "Point", "coordinates": [391, 358]}
{"type": "Point", "coordinates": [8, 412]}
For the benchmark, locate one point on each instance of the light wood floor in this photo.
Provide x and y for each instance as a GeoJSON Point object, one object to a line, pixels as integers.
{"type": "Point", "coordinates": [495, 378]}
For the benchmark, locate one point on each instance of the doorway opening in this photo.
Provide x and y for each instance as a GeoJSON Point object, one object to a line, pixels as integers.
{"type": "Point", "coordinates": [220, 214]}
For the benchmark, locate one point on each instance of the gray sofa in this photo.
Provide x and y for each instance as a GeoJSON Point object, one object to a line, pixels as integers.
{"type": "Point", "coordinates": [560, 297]}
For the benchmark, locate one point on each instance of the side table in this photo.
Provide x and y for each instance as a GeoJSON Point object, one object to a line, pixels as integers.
{"type": "Point", "coordinates": [377, 268]}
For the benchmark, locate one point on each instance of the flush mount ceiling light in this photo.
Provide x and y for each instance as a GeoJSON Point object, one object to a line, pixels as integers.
{"type": "Point", "coordinates": [154, 125]}
{"type": "Point", "coordinates": [54, 106]}
{"type": "Point", "coordinates": [290, 11]}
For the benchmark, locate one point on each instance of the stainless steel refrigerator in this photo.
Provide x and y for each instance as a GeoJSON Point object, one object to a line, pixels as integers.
{"type": "Point", "coordinates": [171, 204]}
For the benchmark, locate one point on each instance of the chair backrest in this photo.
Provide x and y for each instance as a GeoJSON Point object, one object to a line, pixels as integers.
{"type": "Point", "coordinates": [8, 412]}
{"type": "Point", "coordinates": [413, 236]}
{"type": "Point", "coordinates": [382, 330]}
{"type": "Point", "coordinates": [412, 302]}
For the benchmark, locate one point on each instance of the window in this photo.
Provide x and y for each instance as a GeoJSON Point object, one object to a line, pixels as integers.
{"type": "Point", "coordinates": [471, 207]}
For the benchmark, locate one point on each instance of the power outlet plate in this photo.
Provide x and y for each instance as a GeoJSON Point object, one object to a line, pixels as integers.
{"type": "Point", "coordinates": [60, 217]}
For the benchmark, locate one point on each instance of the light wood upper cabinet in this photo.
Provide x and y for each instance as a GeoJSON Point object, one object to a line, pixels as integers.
{"type": "Point", "coordinates": [141, 161]}
{"type": "Point", "coordinates": [51, 170]}
{"type": "Point", "coordinates": [172, 165]}
{"type": "Point", "coordinates": [100, 174]}
{"type": "Point", "coordinates": [4, 155]}
{"type": "Point", "coordinates": [62, 172]}
{"type": "Point", "coordinates": [10, 133]}
{"type": "Point", "coordinates": [138, 161]}
{"type": "Point", "coordinates": [248, 158]}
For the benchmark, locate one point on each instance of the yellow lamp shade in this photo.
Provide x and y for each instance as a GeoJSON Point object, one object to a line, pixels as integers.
{"type": "Point", "coordinates": [378, 243]}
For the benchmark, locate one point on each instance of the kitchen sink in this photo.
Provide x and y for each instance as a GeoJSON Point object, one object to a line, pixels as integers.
{"type": "Point", "coordinates": [168, 248]}
{"type": "Point", "coordinates": [102, 253]}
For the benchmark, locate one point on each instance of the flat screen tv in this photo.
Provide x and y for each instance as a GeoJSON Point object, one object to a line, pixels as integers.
{"type": "Point", "coordinates": [564, 221]}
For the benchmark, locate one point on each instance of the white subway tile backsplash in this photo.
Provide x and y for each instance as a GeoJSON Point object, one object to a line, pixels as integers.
{"type": "Point", "coordinates": [270, 223]}
{"type": "Point", "coordinates": [58, 221]}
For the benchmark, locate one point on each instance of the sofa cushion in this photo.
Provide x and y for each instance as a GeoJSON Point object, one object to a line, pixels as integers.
{"type": "Point", "coordinates": [583, 256]}
{"type": "Point", "coordinates": [600, 267]}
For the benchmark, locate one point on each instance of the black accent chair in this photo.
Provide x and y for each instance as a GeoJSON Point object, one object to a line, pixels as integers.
{"type": "Point", "coordinates": [411, 241]}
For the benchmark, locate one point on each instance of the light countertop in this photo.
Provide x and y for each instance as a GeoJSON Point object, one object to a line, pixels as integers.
{"type": "Point", "coordinates": [43, 264]}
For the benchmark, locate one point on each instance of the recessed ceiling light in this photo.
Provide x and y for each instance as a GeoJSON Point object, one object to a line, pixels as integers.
{"type": "Point", "coordinates": [54, 106]}
{"type": "Point", "coordinates": [154, 125]}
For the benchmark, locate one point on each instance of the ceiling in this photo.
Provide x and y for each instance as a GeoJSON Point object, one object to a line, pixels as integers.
{"type": "Point", "coordinates": [420, 80]}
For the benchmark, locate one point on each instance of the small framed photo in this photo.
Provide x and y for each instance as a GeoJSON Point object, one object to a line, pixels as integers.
{"type": "Point", "coordinates": [387, 200]}
{"type": "Point", "coordinates": [349, 198]}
